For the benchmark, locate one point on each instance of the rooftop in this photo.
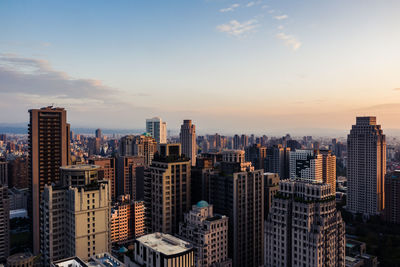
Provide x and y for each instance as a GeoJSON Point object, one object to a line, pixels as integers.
{"type": "Point", "coordinates": [105, 259]}
{"type": "Point", "coordinates": [165, 243]}
{"type": "Point", "coordinates": [81, 167]}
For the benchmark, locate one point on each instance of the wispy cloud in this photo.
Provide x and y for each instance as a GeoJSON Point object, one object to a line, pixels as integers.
{"type": "Point", "coordinates": [289, 40]}
{"type": "Point", "coordinates": [281, 27]}
{"type": "Point", "coordinates": [235, 28]}
{"type": "Point", "coordinates": [250, 4]}
{"type": "Point", "coordinates": [281, 17]}
{"type": "Point", "coordinates": [229, 9]}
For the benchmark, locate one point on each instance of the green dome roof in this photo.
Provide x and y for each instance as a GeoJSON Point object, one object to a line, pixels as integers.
{"type": "Point", "coordinates": [202, 204]}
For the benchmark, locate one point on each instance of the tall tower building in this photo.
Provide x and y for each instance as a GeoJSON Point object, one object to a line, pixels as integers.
{"type": "Point", "coordinates": [138, 145]}
{"type": "Point", "coordinates": [303, 227]}
{"type": "Point", "coordinates": [188, 140]}
{"type": "Point", "coordinates": [129, 171]}
{"type": "Point", "coordinates": [366, 167]}
{"type": "Point", "coordinates": [256, 155]}
{"type": "Point", "coordinates": [49, 149]}
{"type": "Point", "coordinates": [392, 197]}
{"type": "Point", "coordinates": [76, 215]}
{"type": "Point", "coordinates": [4, 223]}
{"type": "Point", "coordinates": [271, 187]}
{"type": "Point", "coordinates": [170, 181]}
{"type": "Point", "coordinates": [240, 196]}
{"type": "Point", "coordinates": [106, 172]}
{"type": "Point", "coordinates": [158, 129]}
{"type": "Point", "coordinates": [4, 173]}
{"type": "Point", "coordinates": [306, 165]}
{"type": "Point", "coordinates": [277, 161]}
{"type": "Point", "coordinates": [329, 169]}
{"type": "Point", "coordinates": [98, 133]}
{"type": "Point", "coordinates": [208, 232]}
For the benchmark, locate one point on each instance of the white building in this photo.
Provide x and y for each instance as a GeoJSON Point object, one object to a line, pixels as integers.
{"type": "Point", "coordinates": [159, 250]}
{"type": "Point", "coordinates": [208, 233]}
{"type": "Point", "coordinates": [158, 129]}
{"type": "Point", "coordinates": [187, 138]}
{"type": "Point", "coordinates": [303, 227]}
{"type": "Point", "coordinates": [306, 165]}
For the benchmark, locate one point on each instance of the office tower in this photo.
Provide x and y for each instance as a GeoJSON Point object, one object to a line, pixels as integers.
{"type": "Point", "coordinates": [4, 223]}
{"type": "Point", "coordinates": [106, 172]}
{"type": "Point", "coordinates": [49, 149]}
{"type": "Point", "coordinates": [3, 137]}
{"type": "Point", "coordinates": [94, 145]}
{"type": "Point", "coordinates": [277, 161]}
{"type": "Point", "coordinates": [170, 181]}
{"type": "Point", "coordinates": [306, 165]}
{"type": "Point", "coordinates": [157, 129]}
{"type": "Point", "coordinates": [129, 170]}
{"type": "Point", "coordinates": [256, 155]}
{"type": "Point", "coordinates": [293, 145]}
{"type": "Point", "coordinates": [138, 219]}
{"type": "Point", "coordinates": [329, 169]}
{"type": "Point", "coordinates": [159, 249]}
{"type": "Point", "coordinates": [138, 145]}
{"type": "Point", "coordinates": [366, 167]}
{"type": "Point", "coordinates": [392, 197]}
{"type": "Point", "coordinates": [244, 141]}
{"type": "Point", "coordinates": [18, 172]}
{"type": "Point", "coordinates": [200, 177]}
{"type": "Point", "coordinates": [4, 173]}
{"type": "Point", "coordinates": [208, 233]}
{"type": "Point", "coordinates": [303, 227]}
{"type": "Point", "coordinates": [240, 196]}
{"type": "Point", "coordinates": [98, 133]}
{"type": "Point", "coordinates": [18, 198]}
{"type": "Point", "coordinates": [187, 138]}
{"type": "Point", "coordinates": [76, 215]}
{"type": "Point", "coordinates": [271, 187]}
{"type": "Point", "coordinates": [236, 142]}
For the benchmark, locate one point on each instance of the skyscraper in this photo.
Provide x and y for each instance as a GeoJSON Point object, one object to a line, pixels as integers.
{"type": "Point", "coordinates": [366, 167]}
{"type": "Point", "coordinates": [49, 149]}
{"type": "Point", "coordinates": [169, 180]}
{"type": "Point", "coordinates": [277, 161]}
{"type": "Point", "coordinates": [271, 187]}
{"type": "Point", "coordinates": [138, 145]}
{"type": "Point", "coordinates": [76, 215]}
{"type": "Point", "coordinates": [4, 223]}
{"type": "Point", "coordinates": [4, 173]}
{"type": "Point", "coordinates": [303, 227]}
{"type": "Point", "coordinates": [98, 133]}
{"type": "Point", "coordinates": [329, 169]}
{"type": "Point", "coordinates": [306, 165]}
{"type": "Point", "coordinates": [106, 172]}
{"type": "Point", "coordinates": [188, 140]}
{"type": "Point", "coordinates": [158, 129]}
{"type": "Point", "coordinates": [392, 197]}
{"type": "Point", "coordinates": [129, 169]}
{"type": "Point", "coordinates": [238, 192]}
{"type": "Point", "coordinates": [256, 155]}
{"type": "Point", "coordinates": [208, 232]}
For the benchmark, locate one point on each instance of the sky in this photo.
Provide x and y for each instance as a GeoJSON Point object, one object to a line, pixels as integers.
{"type": "Point", "coordinates": [261, 66]}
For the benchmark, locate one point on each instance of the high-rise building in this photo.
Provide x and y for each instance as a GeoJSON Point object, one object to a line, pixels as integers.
{"type": "Point", "coordinates": [129, 170]}
{"type": "Point", "coordinates": [4, 173]}
{"type": "Point", "coordinates": [76, 215]}
{"type": "Point", "coordinates": [392, 197]}
{"type": "Point", "coordinates": [244, 141]}
{"type": "Point", "coordinates": [200, 179]}
{"type": "Point", "coordinates": [94, 144]}
{"type": "Point", "coordinates": [49, 149]}
{"type": "Point", "coordinates": [208, 233]}
{"type": "Point", "coordinates": [138, 145]}
{"type": "Point", "coordinates": [157, 129]}
{"type": "Point", "coordinates": [236, 142]}
{"type": "Point", "coordinates": [159, 249]}
{"type": "Point", "coordinates": [169, 179]}
{"type": "Point", "coordinates": [366, 167]}
{"type": "Point", "coordinates": [271, 187]}
{"type": "Point", "coordinates": [306, 165]}
{"type": "Point", "coordinates": [240, 196]}
{"type": "Point", "coordinates": [303, 227]}
{"type": "Point", "coordinates": [127, 219]}
{"type": "Point", "coordinates": [25, 259]}
{"type": "Point", "coordinates": [329, 169]}
{"type": "Point", "coordinates": [277, 161]}
{"type": "Point", "coordinates": [98, 133]}
{"type": "Point", "coordinates": [106, 172]}
{"type": "Point", "coordinates": [4, 223]}
{"type": "Point", "coordinates": [18, 173]}
{"type": "Point", "coordinates": [188, 140]}
{"type": "Point", "coordinates": [256, 155]}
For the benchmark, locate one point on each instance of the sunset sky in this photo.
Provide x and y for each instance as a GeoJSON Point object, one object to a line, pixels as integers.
{"type": "Point", "coordinates": [231, 66]}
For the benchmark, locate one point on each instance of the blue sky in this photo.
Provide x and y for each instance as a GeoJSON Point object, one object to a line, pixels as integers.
{"type": "Point", "coordinates": [231, 66]}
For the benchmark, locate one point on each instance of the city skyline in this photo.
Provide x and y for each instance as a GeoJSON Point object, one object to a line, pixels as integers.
{"type": "Point", "coordinates": [265, 65]}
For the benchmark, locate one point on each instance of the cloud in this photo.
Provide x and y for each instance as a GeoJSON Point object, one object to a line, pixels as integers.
{"type": "Point", "coordinates": [235, 28]}
{"type": "Point", "coordinates": [289, 40]}
{"type": "Point", "coordinates": [281, 27]}
{"type": "Point", "coordinates": [250, 4]}
{"type": "Point", "coordinates": [281, 17]}
{"type": "Point", "coordinates": [228, 9]}
{"type": "Point", "coordinates": [396, 89]}
{"type": "Point", "coordinates": [264, 6]}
